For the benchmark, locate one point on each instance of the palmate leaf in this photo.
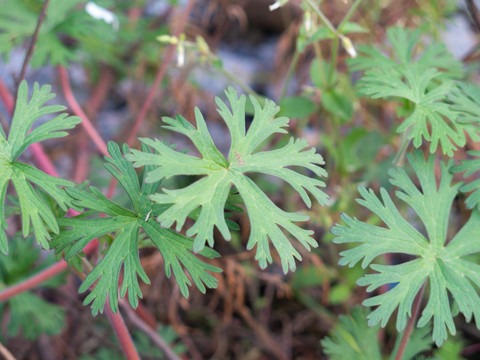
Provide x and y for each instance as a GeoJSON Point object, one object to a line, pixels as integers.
{"type": "Point", "coordinates": [123, 251]}
{"type": "Point", "coordinates": [437, 262]}
{"type": "Point", "coordinates": [424, 80]}
{"type": "Point", "coordinates": [210, 192]}
{"type": "Point", "coordinates": [432, 118]}
{"type": "Point", "coordinates": [34, 210]}
{"type": "Point", "coordinates": [405, 44]}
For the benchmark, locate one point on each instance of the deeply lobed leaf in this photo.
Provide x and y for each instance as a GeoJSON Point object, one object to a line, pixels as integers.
{"type": "Point", "coordinates": [126, 225]}
{"type": "Point", "coordinates": [424, 81]}
{"type": "Point", "coordinates": [436, 262]}
{"type": "Point", "coordinates": [33, 208]}
{"type": "Point", "coordinates": [210, 192]}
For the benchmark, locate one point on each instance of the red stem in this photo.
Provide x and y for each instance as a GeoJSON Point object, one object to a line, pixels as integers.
{"type": "Point", "coordinates": [121, 331]}
{"type": "Point", "coordinates": [409, 328]}
{"type": "Point", "coordinates": [72, 102]}
{"type": "Point", "coordinates": [7, 97]}
{"type": "Point", "coordinates": [41, 276]}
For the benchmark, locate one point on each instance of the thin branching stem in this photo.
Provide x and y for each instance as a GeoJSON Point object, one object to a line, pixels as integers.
{"type": "Point", "coordinates": [33, 42]}
{"type": "Point", "coordinates": [121, 331]}
{"type": "Point", "coordinates": [404, 142]}
{"type": "Point", "coordinates": [409, 328]}
{"type": "Point", "coordinates": [350, 12]}
{"type": "Point", "coordinates": [160, 74]}
{"type": "Point", "coordinates": [291, 69]}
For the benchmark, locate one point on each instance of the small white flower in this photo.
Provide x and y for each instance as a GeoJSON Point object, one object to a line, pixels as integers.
{"type": "Point", "coordinates": [100, 13]}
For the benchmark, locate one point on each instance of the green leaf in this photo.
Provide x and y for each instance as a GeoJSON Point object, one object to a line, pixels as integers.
{"type": "Point", "coordinates": [18, 20]}
{"type": "Point", "coordinates": [422, 78]}
{"type": "Point", "coordinates": [296, 107]}
{"type": "Point", "coordinates": [126, 224]}
{"type": "Point", "coordinates": [33, 208]}
{"type": "Point", "coordinates": [337, 103]}
{"type": "Point", "coordinates": [33, 317]}
{"type": "Point", "coordinates": [218, 175]}
{"type": "Point", "coordinates": [352, 338]}
{"type": "Point", "coordinates": [405, 44]}
{"type": "Point", "coordinates": [437, 262]}
{"type": "Point", "coordinates": [466, 102]}
{"type": "Point", "coordinates": [432, 118]}
{"type": "Point", "coordinates": [470, 166]}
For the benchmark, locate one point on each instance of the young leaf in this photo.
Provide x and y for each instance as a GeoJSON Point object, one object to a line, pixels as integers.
{"type": "Point", "coordinates": [126, 225]}
{"type": "Point", "coordinates": [436, 261]}
{"type": "Point", "coordinates": [405, 43]}
{"type": "Point", "coordinates": [425, 81]}
{"type": "Point", "coordinates": [219, 174]}
{"type": "Point", "coordinates": [34, 209]}
{"type": "Point", "coordinates": [432, 118]}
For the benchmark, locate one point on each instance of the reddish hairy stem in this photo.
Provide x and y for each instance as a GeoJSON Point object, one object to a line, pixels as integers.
{"type": "Point", "coordinates": [72, 102]}
{"type": "Point", "coordinates": [411, 322]}
{"type": "Point", "coordinates": [40, 277]}
{"type": "Point", "coordinates": [160, 74]}
{"type": "Point", "coordinates": [7, 97]}
{"type": "Point", "coordinates": [121, 331]}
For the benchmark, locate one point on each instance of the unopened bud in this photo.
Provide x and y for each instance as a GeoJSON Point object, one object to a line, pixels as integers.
{"type": "Point", "coordinates": [348, 45]}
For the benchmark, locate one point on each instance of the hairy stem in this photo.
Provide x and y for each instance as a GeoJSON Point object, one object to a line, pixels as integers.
{"type": "Point", "coordinates": [121, 331]}
{"type": "Point", "coordinates": [409, 328]}
{"type": "Point", "coordinates": [31, 47]}
{"type": "Point", "coordinates": [40, 277]}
